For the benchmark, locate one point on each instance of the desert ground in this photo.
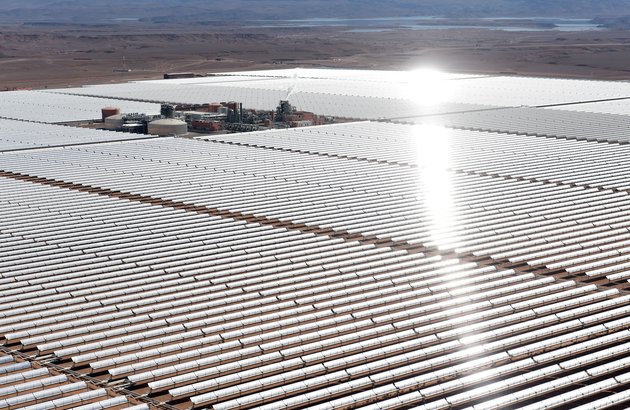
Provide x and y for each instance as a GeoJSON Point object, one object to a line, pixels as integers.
{"type": "Point", "coordinates": [41, 56]}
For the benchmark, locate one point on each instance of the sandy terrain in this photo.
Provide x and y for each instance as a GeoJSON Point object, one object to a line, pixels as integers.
{"type": "Point", "coordinates": [59, 56]}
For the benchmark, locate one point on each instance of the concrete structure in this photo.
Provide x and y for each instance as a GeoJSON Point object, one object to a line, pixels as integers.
{"type": "Point", "coordinates": [168, 126]}
{"type": "Point", "coordinates": [114, 122]}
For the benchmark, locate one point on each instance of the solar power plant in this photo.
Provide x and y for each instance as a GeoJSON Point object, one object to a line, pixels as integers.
{"type": "Point", "coordinates": [478, 259]}
{"type": "Point", "coordinates": [19, 135]}
{"type": "Point", "coordinates": [551, 123]}
{"type": "Point", "coordinates": [345, 93]}
{"type": "Point", "coordinates": [614, 106]}
{"type": "Point", "coordinates": [344, 74]}
{"type": "Point", "coordinates": [345, 99]}
{"type": "Point", "coordinates": [52, 108]}
{"type": "Point", "coordinates": [26, 385]}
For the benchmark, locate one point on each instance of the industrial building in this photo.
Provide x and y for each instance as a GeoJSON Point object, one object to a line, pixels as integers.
{"type": "Point", "coordinates": [188, 119]}
{"type": "Point", "coordinates": [459, 242]}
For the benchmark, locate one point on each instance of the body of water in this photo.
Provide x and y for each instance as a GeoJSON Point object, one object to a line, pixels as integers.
{"type": "Point", "coordinates": [384, 24]}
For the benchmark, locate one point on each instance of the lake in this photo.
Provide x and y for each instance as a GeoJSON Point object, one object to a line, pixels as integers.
{"type": "Point", "coordinates": [384, 24]}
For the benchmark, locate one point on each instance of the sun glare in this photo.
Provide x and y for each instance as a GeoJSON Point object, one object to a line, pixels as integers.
{"type": "Point", "coordinates": [433, 156]}
{"type": "Point", "coordinates": [427, 86]}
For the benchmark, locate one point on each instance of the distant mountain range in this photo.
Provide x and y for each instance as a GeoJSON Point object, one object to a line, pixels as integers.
{"type": "Point", "coordinates": [188, 11]}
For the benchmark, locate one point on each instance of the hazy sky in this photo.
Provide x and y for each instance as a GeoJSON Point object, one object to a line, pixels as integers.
{"type": "Point", "coordinates": [91, 11]}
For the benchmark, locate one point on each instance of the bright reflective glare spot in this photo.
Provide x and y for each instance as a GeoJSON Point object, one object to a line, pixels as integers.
{"type": "Point", "coordinates": [426, 86]}
{"type": "Point", "coordinates": [433, 155]}
{"type": "Point", "coordinates": [468, 340]}
{"type": "Point", "coordinates": [454, 283]}
{"type": "Point", "coordinates": [475, 350]}
{"type": "Point", "coordinates": [293, 82]}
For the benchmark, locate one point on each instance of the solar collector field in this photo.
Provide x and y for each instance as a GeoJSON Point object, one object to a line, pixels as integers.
{"type": "Point", "coordinates": [25, 386]}
{"type": "Point", "coordinates": [40, 106]}
{"type": "Point", "coordinates": [21, 135]}
{"type": "Point", "coordinates": [359, 265]}
{"type": "Point", "coordinates": [353, 94]}
{"type": "Point", "coordinates": [317, 306]}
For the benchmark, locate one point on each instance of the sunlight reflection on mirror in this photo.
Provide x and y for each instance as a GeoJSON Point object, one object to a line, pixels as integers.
{"type": "Point", "coordinates": [473, 339]}
{"type": "Point", "coordinates": [475, 350]}
{"type": "Point", "coordinates": [433, 155]}
{"type": "Point", "coordinates": [427, 86]}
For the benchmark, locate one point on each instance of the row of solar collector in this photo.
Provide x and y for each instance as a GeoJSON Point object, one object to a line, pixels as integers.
{"type": "Point", "coordinates": [43, 329]}
{"type": "Point", "coordinates": [326, 104]}
{"type": "Point", "coordinates": [17, 135]}
{"type": "Point", "coordinates": [552, 123]}
{"type": "Point", "coordinates": [374, 304]}
{"type": "Point", "coordinates": [231, 184]}
{"type": "Point", "coordinates": [408, 365]}
{"type": "Point", "coordinates": [498, 91]}
{"type": "Point", "coordinates": [570, 204]}
{"type": "Point", "coordinates": [396, 143]}
{"type": "Point", "coordinates": [24, 386]}
{"type": "Point", "coordinates": [461, 140]}
{"type": "Point", "coordinates": [368, 246]}
{"type": "Point", "coordinates": [614, 106]}
{"type": "Point", "coordinates": [533, 394]}
{"type": "Point", "coordinates": [488, 319]}
{"type": "Point", "coordinates": [587, 170]}
{"type": "Point", "coordinates": [354, 396]}
{"type": "Point", "coordinates": [603, 176]}
{"type": "Point", "coordinates": [556, 243]}
{"type": "Point", "coordinates": [56, 108]}
{"type": "Point", "coordinates": [512, 216]}
{"type": "Point", "coordinates": [368, 76]}
{"type": "Point", "coordinates": [227, 158]}
{"type": "Point", "coordinates": [558, 172]}
{"type": "Point", "coordinates": [166, 189]}
{"type": "Point", "coordinates": [333, 294]}
{"type": "Point", "coordinates": [518, 201]}
{"type": "Point", "coordinates": [204, 322]}
{"type": "Point", "coordinates": [535, 149]}
{"type": "Point", "coordinates": [375, 217]}
{"type": "Point", "coordinates": [536, 145]}
{"type": "Point", "coordinates": [349, 140]}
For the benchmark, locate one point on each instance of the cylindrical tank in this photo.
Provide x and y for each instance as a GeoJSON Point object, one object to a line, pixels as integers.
{"type": "Point", "coordinates": [232, 105]}
{"type": "Point", "coordinates": [109, 111]}
{"type": "Point", "coordinates": [114, 122]}
{"type": "Point", "coordinates": [168, 126]}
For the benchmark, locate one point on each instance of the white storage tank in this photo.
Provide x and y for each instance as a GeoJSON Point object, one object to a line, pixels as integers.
{"type": "Point", "coordinates": [114, 122]}
{"type": "Point", "coordinates": [168, 126]}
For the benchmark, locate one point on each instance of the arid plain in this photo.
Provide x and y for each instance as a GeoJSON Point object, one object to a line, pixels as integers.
{"type": "Point", "coordinates": [39, 56]}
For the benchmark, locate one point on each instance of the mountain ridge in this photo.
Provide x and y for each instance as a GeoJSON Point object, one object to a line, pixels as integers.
{"type": "Point", "coordinates": [151, 11]}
